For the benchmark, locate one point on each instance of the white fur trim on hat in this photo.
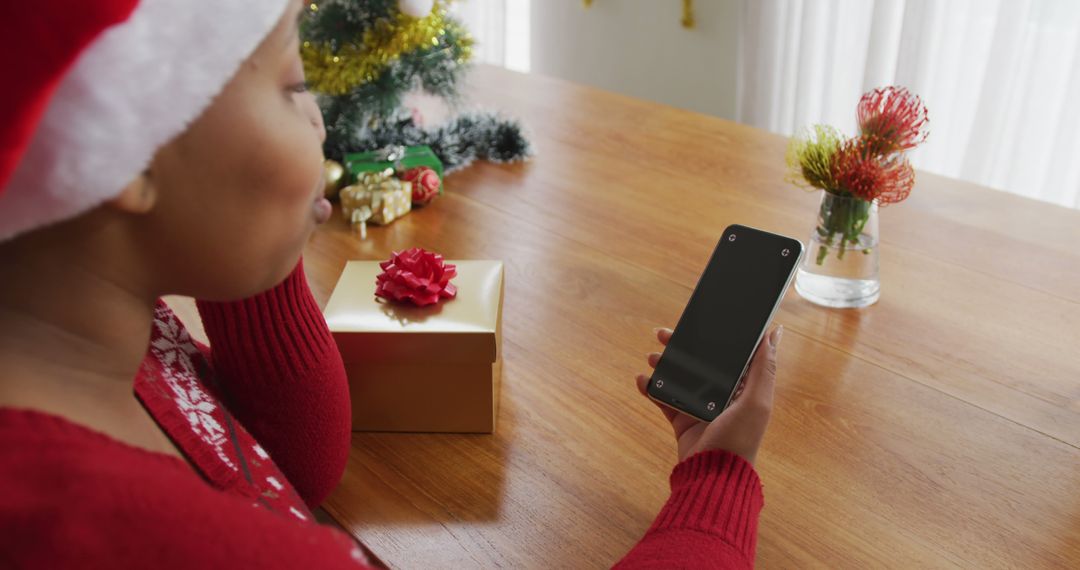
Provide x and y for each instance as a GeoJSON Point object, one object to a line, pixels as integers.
{"type": "Point", "coordinates": [133, 90]}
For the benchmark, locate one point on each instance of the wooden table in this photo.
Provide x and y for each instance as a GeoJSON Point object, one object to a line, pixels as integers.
{"type": "Point", "coordinates": [937, 428]}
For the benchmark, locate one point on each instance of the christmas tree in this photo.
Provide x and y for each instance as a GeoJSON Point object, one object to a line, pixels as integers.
{"type": "Point", "coordinates": [361, 58]}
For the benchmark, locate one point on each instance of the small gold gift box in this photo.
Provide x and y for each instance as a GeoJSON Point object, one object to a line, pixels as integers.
{"type": "Point", "coordinates": [429, 369]}
{"type": "Point", "coordinates": [377, 197]}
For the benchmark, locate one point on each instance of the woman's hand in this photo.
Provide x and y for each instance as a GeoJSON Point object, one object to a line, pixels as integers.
{"type": "Point", "coordinates": [741, 427]}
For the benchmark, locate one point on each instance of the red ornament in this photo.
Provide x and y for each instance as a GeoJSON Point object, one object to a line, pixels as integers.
{"type": "Point", "coordinates": [425, 184]}
{"type": "Point", "coordinates": [858, 169]}
{"type": "Point", "coordinates": [896, 118]}
{"type": "Point", "coordinates": [417, 276]}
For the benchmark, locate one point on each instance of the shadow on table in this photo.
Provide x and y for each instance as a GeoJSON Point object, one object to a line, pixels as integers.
{"type": "Point", "coordinates": [417, 479]}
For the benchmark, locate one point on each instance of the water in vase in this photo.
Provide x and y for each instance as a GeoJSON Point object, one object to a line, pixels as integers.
{"type": "Point", "coordinates": [840, 277]}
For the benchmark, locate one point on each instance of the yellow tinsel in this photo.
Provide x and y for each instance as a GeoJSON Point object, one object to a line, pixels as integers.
{"type": "Point", "coordinates": [352, 65]}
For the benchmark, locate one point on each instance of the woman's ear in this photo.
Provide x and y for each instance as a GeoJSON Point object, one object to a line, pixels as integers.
{"type": "Point", "coordinates": [138, 197]}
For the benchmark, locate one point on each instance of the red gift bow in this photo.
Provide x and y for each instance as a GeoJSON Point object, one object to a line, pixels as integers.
{"type": "Point", "coordinates": [417, 276]}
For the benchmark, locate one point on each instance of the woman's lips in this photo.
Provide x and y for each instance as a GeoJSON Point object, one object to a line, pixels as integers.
{"type": "Point", "coordinates": [322, 209]}
{"type": "Point", "coordinates": [320, 206]}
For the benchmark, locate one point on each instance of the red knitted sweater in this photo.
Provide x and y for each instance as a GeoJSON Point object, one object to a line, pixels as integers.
{"type": "Point", "coordinates": [264, 420]}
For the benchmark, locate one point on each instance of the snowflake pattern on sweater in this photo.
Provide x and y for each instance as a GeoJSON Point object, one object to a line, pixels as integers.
{"type": "Point", "coordinates": [173, 348]}
{"type": "Point", "coordinates": [176, 385]}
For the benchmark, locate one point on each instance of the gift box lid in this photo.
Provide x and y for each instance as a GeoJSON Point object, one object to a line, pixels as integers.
{"type": "Point", "coordinates": [463, 329]}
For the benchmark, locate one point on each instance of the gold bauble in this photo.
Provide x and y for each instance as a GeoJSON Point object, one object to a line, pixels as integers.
{"type": "Point", "coordinates": [334, 173]}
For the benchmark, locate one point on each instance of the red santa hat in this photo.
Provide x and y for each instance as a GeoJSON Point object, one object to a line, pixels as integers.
{"type": "Point", "coordinates": [94, 87]}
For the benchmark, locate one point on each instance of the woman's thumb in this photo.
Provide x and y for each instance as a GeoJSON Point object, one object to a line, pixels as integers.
{"type": "Point", "coordinates": [761, 378]}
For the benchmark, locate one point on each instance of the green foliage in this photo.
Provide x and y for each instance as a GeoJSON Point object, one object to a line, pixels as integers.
{"type": "Point", "coordinates": [371, 115]}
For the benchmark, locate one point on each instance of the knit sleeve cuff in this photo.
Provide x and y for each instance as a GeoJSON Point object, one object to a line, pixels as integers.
{"type": "Point", "coordinates": [277, 335]}
{"type": "Point", "coordinates": [716, 492]}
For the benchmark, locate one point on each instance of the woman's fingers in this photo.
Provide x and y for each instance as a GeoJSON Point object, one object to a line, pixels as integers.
{"type": "Point", "coordinates": [663, 335]}
{"type": "Point", "coordinates": [642, 383]}
{"type": "Point", "coordinates": [738, 392]}
{"type": "Point", "coordinates": [642, 386]}
{"type": "Point", "coordinates": [760, 381]}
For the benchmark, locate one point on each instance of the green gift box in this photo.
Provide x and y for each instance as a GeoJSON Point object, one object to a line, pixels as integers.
{"type": "Point", "coordinates": [400, 158]}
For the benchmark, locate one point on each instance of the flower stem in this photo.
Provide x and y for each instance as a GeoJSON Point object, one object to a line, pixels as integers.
{"type": "Point", "coordinates": [844, 215]}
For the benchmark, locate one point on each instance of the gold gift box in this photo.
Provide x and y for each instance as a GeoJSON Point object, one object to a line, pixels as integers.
{"type": "Point", "coordinates": [378, 198]}
{"type": "Point", "coordinates": [421, 369]}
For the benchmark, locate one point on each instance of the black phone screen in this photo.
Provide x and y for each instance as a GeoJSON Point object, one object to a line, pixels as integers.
{"type": "Point", "coordinates": [726, 316]}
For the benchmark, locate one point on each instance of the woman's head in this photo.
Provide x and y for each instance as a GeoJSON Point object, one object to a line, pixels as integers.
{"type": "Point", "coordinates": [223, 208]}
{"type": "Point", "coordinates": [231, 201]}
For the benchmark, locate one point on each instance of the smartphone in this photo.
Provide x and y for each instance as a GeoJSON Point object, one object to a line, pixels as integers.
{"type": "Point", "coordinates": [722, 324]}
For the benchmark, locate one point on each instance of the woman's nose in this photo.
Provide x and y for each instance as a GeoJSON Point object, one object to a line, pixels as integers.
{"type": "Point", "coordinates": [311, 109]}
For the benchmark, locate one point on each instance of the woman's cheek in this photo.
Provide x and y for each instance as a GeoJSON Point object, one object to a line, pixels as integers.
{"type": "Point", "coordinates": [299, 159]}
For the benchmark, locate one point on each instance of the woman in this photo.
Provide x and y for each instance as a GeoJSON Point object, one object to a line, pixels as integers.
{"type": "Point", "coordinates": [161, 147]}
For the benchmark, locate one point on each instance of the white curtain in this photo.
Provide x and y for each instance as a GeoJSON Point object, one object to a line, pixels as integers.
{"type": "Point", "coordinates": [1001, 79]}
{"type": "Point", "coordinates": [500, 28]}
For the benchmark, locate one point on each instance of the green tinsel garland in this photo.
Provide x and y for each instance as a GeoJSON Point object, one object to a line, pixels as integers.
{"type": "Point", "coordinates": [463, 139]}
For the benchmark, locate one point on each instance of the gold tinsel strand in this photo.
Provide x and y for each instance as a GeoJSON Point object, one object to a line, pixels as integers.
{"type": "Point", "coordinates": [688, 13]}
{"type": "Point", "coordinates": [354, 64]}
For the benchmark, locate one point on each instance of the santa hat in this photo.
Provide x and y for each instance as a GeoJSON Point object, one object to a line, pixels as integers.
{"type": "Point", "coordinates": [94, 87]}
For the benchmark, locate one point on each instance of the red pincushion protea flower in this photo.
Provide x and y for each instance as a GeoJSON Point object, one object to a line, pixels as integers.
{"type": "Point", "coordinates": [858, 169]}
{"type": "Point", "coordinates": [895, 117]}
{"type": "Point", "coordinates": [416, 276]}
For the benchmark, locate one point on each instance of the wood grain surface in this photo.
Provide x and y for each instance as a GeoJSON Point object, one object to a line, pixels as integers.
{"type": "Point", "coordinates": [937, 428]}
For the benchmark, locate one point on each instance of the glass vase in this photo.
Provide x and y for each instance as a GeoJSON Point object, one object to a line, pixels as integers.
{"type": "Point", "coordinates": [840, 267]}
